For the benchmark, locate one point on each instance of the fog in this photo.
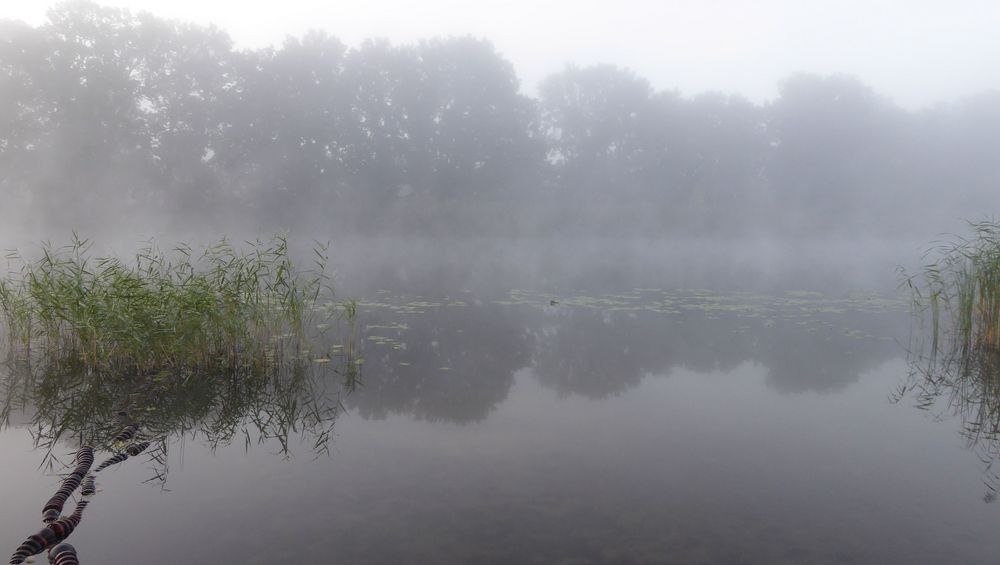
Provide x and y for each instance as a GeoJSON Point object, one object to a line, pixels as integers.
{"type": "Point", "coordinates": [918, 52]}
{"type": "Point", "coordinates": [429, 163]}
{"type": "Point", "coordinates": [612, 283]}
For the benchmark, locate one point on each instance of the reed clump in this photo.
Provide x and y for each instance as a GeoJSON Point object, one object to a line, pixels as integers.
{"type": "Point", "coordinates": [955, 362]}
{"type": "Point", "coordinates": [961, 290]}
{"type": "Point", "coordinates": [223, 308]}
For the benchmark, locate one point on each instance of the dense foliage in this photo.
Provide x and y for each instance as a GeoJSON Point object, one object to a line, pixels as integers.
{"type": "Point", "coordinates": [109, 114]}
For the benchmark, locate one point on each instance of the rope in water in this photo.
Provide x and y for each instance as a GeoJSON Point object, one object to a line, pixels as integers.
{"type": "Point", "coordinates": [53, 508]}
{"type": "Point", "coordinates": [58, 527]}
{"type": "Point", "coordinates": [49, 536]}
{"type": "Point", "coordinates": [63, 554]}
{"type": "Point", "coordinates": [130, 451]}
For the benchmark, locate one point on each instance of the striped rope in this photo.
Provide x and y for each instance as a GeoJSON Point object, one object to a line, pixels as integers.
{"type": "Point", "coordinates": [59, 528]}
{"type": "Point", "coordinates": [88, 486]}
{"type": "Point", "coordinates": [136, 448]}
{"type": "Point", "coordinates": [130, 451]}
{"type": "Point", "coordinates": [49, 536]}
{"type": "Point", "coordinates": [126, 434]}
{"type": "Point", "coordinates": [63, 554]}
{"type": "Point", "coordinates": [53, 508]}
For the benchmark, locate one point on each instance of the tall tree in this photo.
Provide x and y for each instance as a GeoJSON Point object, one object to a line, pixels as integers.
{"type": "Point", "coordinates": [84, 149]}
{"type": "Point", "coordinates": [592, 119]}
{"type": "Point", "coordinates": [291, 128]}
{"type": "Point", "coordinates": [833, 144]}
{"type": "Point", "coordinates": [188, 87]}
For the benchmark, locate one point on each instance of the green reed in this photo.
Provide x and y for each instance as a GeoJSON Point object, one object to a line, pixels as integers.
{"type": "Point", "coordinates": [223, 307]}
{"type": "Point", "coordinates": [960, 287]}
{"type": "Point", "coordinates": [955, 361]}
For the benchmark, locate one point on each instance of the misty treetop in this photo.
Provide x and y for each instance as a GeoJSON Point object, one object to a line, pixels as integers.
{"type": "Point", "coordinates": [106, 115]}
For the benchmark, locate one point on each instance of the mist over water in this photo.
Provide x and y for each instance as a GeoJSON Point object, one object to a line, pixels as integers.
{"type": "Point", "coordinates": [592, 322]}
{"type": "Point", "coordinates": [120, 125]}
{"type": "Point", "coordinates": [125, 126]}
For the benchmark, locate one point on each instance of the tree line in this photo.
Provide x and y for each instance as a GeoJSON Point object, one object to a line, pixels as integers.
{"type": "Point", "coordinates": [110, 116]}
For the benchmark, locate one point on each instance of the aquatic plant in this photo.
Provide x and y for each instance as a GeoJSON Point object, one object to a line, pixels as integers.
{"type": "Point", "coordinates": [284, 406]}
{"type": "Point", "coordinates": [955, 361]}
{"type": "Point", "coordinates": [960, 288]}
{"type": "Point", "coordinates": [213, 344]}
{"type": "Point", "coordinates": [225, 307]}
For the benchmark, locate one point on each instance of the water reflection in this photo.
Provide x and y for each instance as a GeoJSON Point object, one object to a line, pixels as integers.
{"type": "Point", "coordinates": [963, 383]}
{"type": "Point", "coordinates": [560, 450]}
{"type": "Point", "coordinates": [440, 361]}
{"type": "Point", "coordinates": [280, 405]}
{"type": "Point", "coordinates": [454, 359]}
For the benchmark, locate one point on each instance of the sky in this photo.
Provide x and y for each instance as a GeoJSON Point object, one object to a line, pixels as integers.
{"type": "Point", "coordinates": [916, 52]}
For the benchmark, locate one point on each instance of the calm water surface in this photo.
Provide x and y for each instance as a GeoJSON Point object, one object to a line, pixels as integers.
{"type": "Point", "coordinates": [637, 426]}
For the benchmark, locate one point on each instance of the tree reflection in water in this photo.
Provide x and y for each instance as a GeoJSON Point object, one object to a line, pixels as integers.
{"type": "Point", "coordinates": [456, 360]}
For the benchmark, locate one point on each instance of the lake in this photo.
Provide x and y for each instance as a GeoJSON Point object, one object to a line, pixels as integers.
{"type": "Point", "coordinates": [548, 424]}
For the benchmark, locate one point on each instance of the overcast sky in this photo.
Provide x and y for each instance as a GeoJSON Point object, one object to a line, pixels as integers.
{"type": "Point", "coordinates": [917, 52]}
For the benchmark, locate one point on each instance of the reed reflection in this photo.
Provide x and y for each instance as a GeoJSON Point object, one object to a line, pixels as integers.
{"type": "Point", "coordinates": [281, 405]}
{"type": "Point", "coordinates": [962, 385]}
{"type": "Point", "coordinates": [955, 362]}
